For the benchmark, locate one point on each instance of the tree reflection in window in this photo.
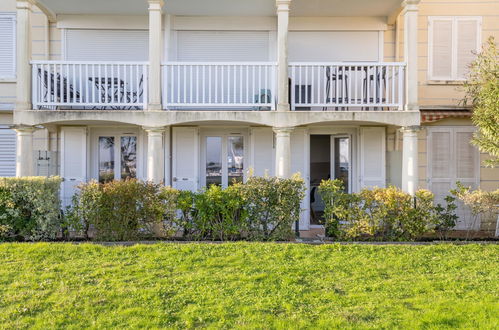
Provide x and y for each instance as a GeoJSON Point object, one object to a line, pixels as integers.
{"type": "Point", "coordinates": [128, 157]}
{"type": "Point", "coordinates": [106, 159]}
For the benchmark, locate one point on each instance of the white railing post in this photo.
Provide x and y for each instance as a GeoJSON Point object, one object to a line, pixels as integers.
{"type": "Point", "coordinates": [34, 86]}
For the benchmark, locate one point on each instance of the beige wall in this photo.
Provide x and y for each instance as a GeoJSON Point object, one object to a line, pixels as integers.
{"type": "Point", "coordinates": [442, 94]}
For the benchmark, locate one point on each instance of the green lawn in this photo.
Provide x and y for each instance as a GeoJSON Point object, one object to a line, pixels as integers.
{"type": "Point", "coordinates": [249, 286]}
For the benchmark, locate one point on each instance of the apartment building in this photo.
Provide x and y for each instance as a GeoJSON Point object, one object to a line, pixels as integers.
{"type": "Point", "coordinates": [198, 92]}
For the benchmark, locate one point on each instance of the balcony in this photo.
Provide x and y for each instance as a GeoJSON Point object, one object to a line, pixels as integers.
{"type": "Point", "coordinates": [89, 85]}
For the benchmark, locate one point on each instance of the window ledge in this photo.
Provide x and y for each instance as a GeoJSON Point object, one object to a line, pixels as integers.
{"type": "Point", "coordinates": [446, 82]}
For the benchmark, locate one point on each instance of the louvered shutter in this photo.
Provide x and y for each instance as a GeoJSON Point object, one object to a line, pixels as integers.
{"type": "Point", "coordinates": [440, 163]}
{"type": "Point", "coordinates": [219, 46]}
{"type": "Point", "coordinates": [262, 151]}
{"type": "Point", "coordinates": [73, 160]}
{"type": "Point", "coordinates": [7, 153]}
{"type": "Point", "coordinates": [106, 45]}
{"type": "Point", "coordinates": [372, 157]}
{"type": "Point", "coordinates": [442, 49]}
{"type": "Point", "coordinates": [185, 158]}
{"type": "Point", "coordinates": [7, 46]}
{"type": "Point", "coordinates": [467, 35]}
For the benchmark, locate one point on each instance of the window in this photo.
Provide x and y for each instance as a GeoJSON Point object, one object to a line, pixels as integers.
{"type": "Point", "coordinates": [112, 157]}
{"type": "Point", "coordinates": [7, 45]}
{"type": "Point", "coordinates": [452, 44]}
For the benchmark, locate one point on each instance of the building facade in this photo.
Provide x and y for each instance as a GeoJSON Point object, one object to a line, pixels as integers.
{"type": "Point", "coordinates": [191, 93]}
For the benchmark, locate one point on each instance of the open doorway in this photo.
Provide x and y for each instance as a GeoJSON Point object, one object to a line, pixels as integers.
{"type": "Point", "coordinates": [330, 157]}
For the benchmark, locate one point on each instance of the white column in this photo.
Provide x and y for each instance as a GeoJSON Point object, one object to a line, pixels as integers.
{"type": "Point", "coordinates": [410, 176]}
{"type": "Point", "coordinates": [283, 151]}
{"type": "Point", "coordinates": [23, 54]}
{"type": "Point", "coordinates": [410, 13]}
{"type": "Point", "coordinates": [155, 53]}
{"type": "Point", "coordinates": [282, 54]}
{"type": "Point", "coordinates": [155, 154]}
{"type": "Point", "coordinates": [24, 151]}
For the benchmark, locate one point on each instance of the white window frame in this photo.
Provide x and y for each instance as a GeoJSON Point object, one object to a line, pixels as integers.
{"type": "Point", "coordinates": [12, 16]}
{"type": "Point", "coordinates": [454, 20]}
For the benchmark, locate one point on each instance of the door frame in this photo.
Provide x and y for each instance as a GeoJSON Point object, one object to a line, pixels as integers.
{"type": "Point", "coordinates": [223, 132]}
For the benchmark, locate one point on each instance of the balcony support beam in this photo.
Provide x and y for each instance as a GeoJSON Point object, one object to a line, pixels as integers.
{"type": "Point", "coordinates": [410, 177]}
{"type": "Point", "coordinates": [155, 154]}
{"type": "Point", "coordinates": [282, 54]}
{"type": "Point", "coordinates": [23, 54]}
{"type": "Point", "coordinates": [155, 53]}
{"type": "Point", "coordinates": [24, 151]}
{"type": "Point", "coordinates": [410, 13]}
{"type": "Point", "coordinates": [283, 151]}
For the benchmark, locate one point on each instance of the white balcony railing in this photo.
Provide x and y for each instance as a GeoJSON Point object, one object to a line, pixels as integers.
{"type": "Point", "coordinates": [89, 85]}
{"type": "Point", "coordinates": [347, 86]}
{"type": "Point", "coordinates": [217, 85]}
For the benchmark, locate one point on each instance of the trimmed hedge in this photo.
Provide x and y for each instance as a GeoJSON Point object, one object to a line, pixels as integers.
{"type": "Point", "coordinates": [30, 208]}
{"type": "Point", "coordinates": [261, 209]}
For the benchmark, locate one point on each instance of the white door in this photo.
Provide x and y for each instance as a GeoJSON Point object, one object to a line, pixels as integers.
{"type": "Point", "coordinates": [451, 159]}
{"type": "Point", "coordinates": [185, 155]}
{"type": "Point", "coordinates": [372, 157]}
{"type": "Point", "coordinates": [7, 152]}
{"type": "Point", "coordinates": [73, 161]}
{"type": "Point", "coordinates": [299, 160]}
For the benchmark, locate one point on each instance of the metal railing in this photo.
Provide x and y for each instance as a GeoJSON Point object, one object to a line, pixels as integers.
{"type": "Point", "coordinates": [219, 85]}
{"type": "Point", "coordinates": [89, 85]}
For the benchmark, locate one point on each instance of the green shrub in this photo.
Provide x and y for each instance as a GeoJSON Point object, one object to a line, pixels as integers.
{"type": "Point", "coordinates": [380, 213]}
{"type": "Point", "coordinates": [30, 208]}
{"type": "Point", "coordinates": [120, 210]}
{"type": "Point", "coordinates": [273, 206]}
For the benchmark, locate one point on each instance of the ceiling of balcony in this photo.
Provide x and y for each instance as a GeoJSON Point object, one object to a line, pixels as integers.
{"type": "Point", "coordinates": [226, 7]}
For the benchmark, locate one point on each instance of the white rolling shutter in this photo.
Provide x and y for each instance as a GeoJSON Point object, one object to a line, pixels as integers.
{"type": "Point", "coordinates": [106, 45]}
{"type": "Point", "coordinates": [7, 153]}
{"type": "Point", "coordinates": [451, 159]}
{"type": "Point", "coordinates": [73, 160]}
{"type": "Point", "coordinates": [262, 151]}
{"type": "Point", "coordinates": [7, 45]}
{"type": "Point", "coordinates": [372, 157]}
{"type": "Point", "coordinates": [219, 46]}
{"type": "Point", "coordinates": [185, 158]}
{"type": "Point", "coordinates": [453, 44]}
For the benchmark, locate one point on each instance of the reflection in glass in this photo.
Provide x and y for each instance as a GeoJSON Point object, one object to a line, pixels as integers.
{"type": "Point", "coordinates": [320, 169]}
{"type": "Point", "coordinates": [128, 157]}
{"type": "Point", "coordinates": [342, 160]}
{"type": "Point", "coordinates": [106, 159]}
{"type": "Point", "coordinates": [213, 160]}
{"type": "Point", "coordinates": [235, 159]}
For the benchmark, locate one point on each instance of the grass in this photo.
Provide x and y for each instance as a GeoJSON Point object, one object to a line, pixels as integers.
{"type": "Point", "coordinates": [249, 285]}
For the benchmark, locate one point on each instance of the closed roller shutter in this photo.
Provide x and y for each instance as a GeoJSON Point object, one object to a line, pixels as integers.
{"type": "Point", "coordinates": [7, 45]}
{"type": "Point", "coordinates": [219, 46]}
{"type": "Point", "coordinates": [106, 45]}
{"type": "Point", "coordinates": [7, 153]}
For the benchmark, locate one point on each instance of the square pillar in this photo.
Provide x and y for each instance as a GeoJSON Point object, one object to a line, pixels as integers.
{"type": "Point", "coordinates": [282, 55]}
{"type": "Point", "coordinates": [155, 154]}
{"type": "Point", "coordinates": [24, 151]}
{"type": "Point", "coordinates": [155, 53]}
{"type": "Point", "coordinates": [23, 54]}
{"type": "Point", "coordinates": [410, 13]}
{"type": "Point", "coordinates": [410, 177]}
{"type": "Point", "coordinates": [283, 151]}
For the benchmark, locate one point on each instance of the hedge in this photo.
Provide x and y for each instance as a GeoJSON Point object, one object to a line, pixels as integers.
{"type": "Point", "coordinates": [30, 208]}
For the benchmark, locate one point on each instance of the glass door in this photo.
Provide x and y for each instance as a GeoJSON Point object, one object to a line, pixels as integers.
{"type": "Point", "coordinates": [117, 157]}
{"type": "Point", "coordinates": [223, 160]}
{"type": "Point", "coordinates": [330, 158]}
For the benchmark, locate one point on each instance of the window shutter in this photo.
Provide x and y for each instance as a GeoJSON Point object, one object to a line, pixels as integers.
{"type": "Point", "coordinates": [7, 153]}
{"type": "Point", "coordinates": [106, 45]}
{"type": "Point", "coordinates": [185, 161]}
{"type": "Point", "coordinates": [441, 155]}
{"type": "Point", "coordinates": [442, 49]}
{"type": "Point", "coordinates": [7, 46]}
{"type": "Point", "coordinates": [466, 156]}
{"type": "Point", "coordinates": [372, 149]}
{"type": "Point", "coordinates": [73, 160]}
{"type": "Point", "coordinates": [216, 46]}
{"type": "Point", "coordinates": [262, 151]}
{"type": "Point", "coordinates": [467, 35]}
